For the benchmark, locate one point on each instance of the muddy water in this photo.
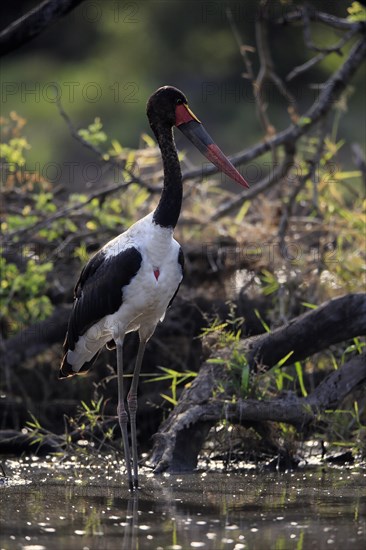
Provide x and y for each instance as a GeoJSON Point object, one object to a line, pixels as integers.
{"type": "Point", "coordinates": [48, 506]}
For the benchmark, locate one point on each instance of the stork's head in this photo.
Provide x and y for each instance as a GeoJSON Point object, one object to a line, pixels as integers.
{"type": "Point", "coordinates": [168, 107]}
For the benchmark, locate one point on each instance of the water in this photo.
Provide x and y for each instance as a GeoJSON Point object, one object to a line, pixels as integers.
{"type": "Point", "coordinates": [46, 506]}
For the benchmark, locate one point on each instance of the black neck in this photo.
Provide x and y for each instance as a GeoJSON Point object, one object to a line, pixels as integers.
{"type": "Point", "coordinates": [168, 210]}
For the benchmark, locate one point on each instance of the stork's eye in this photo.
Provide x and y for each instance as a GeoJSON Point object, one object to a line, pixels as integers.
{"type": "Point", "coordinates": [179, 101]}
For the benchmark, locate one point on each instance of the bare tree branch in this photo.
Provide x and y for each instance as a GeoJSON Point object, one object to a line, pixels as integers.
{"type": "Point", "coordinates": [266, 71]}
{"type": "Point", "coordinates": [306, 15]}
{"type": "Point", "coordinates": [326, 18]}
{"type": "Point", "coordinates": [108, 164]}
{"type": "Point", "coordinates": [305, 66]}
{"type": "Point", "coordinates": [33, 23]}
{"type": "Point", "coordinates": [330, 92]}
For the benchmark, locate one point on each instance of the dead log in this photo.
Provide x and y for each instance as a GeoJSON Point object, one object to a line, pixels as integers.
{"type": "Point", "coordinates": [204, 403]}
{"type": "Point", "coordinates": [334, 321]}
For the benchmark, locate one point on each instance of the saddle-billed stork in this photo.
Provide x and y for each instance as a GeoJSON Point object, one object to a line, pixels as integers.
{"type": "Point", "coordinates": [128, 285]}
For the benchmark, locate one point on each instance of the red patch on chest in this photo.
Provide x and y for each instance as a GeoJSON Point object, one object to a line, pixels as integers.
{"type": "Point", "coordinates": [156, 273]}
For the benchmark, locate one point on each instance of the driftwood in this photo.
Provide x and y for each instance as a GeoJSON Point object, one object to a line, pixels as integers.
{"type": "Point", "coordinates": [182, 435]}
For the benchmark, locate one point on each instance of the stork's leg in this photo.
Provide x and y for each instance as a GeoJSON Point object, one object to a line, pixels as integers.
{"type": "Point", "coordinates": [121, 411]}
{"type": "Point", "coordinates": [132, 407]}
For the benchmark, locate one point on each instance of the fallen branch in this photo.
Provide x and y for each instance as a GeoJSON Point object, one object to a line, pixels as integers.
{"type": "Point", "coordinates": [182, 435]}
{"type": "Point", "coordinates": [177, 448]}
{"type": "Point", "coordinates": [298, 411]}
{"type": "Point", "coordinates": [334, 321]}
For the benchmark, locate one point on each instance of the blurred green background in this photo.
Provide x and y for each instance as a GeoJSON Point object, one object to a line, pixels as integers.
{"type": "Point", "coordinates": [107, 57]}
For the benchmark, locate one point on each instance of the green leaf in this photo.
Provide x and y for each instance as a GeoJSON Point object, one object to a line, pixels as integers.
{"type": "Point", "coordinates": [310, 306]}
{"type": "Point", "coordinates": [217, 361]}
{"type": "Point", "coordinates": [303, 121]}
{"type": "Point", "coordinates": [270, 282]}
{"type": "Point", "coordinates": [117, 146]}
{"type": "Point", "coordinates": [245, 377]}
{"type": "Point", "coordinates": [264, 324]}
{"type": "Point", "coordinates": [169, 399]}
{"type": "Point", "coordinates": [300, 378]}
{"type": "Point", "coordinates": [284, 359]}
{"type": "Point", "coordinates": [242, 212]}
{"type": "Point", "coordinates": [357, 12]}
{"type": "Point", "coordinates": [148, 140]}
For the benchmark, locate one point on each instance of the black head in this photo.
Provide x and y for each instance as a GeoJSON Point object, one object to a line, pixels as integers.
{"type": "Point", "coordinates": [162, 104]}
{"type": "Point", "coordinates": [168, 107]}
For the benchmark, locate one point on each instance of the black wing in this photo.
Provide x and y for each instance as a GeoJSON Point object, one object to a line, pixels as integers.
{"type": "Point", "coordinates": [181, 263]}
{"type": "Point", "coordinates": [99, 290]}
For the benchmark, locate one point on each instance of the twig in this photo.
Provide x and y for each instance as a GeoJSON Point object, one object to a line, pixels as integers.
{"type": "Point", "coordinates": [326, 18]}
{"type": "Point", "coordinates": [305, 14]}
{"type": "Point", "coordinates": [76, 135]}
{"type": "Point", "coordinates": [266, 71]}
{"type": "Point", "coordinates": [108, 163]}
{"type": "Point", "coordinates": [305, 66]}
{"type": "Point", "coordinates": [249, 74]}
